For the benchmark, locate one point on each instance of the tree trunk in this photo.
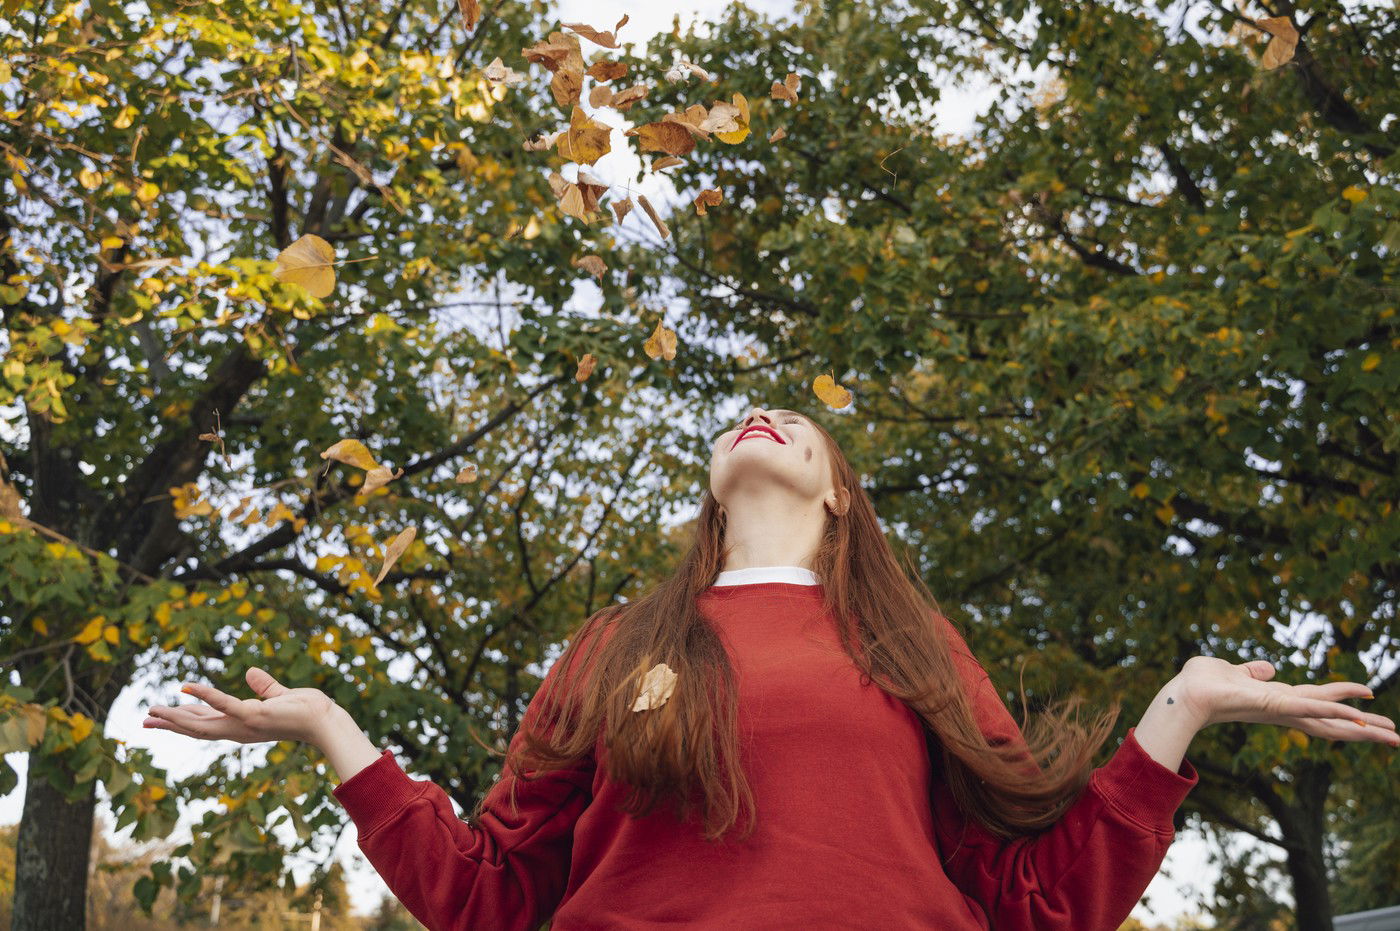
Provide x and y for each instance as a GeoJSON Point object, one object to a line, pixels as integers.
{"type": "Point", "coordinates": [1305, 824]}
{"type": "Point", "coordinates": [51, 857]}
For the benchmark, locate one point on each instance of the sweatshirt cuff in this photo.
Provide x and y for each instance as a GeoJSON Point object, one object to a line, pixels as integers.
{"type": "Point", "coordinates": [1141, 789]}
{"type": "Point", "coordinates": [376, 793]}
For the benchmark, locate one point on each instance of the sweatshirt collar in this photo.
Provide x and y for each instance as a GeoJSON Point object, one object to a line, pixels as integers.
{"type": "Point", "coordinates": [793, 575]}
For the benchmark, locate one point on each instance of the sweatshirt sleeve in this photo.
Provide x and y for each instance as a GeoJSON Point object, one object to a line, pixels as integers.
{"type": "Point", "coordinates": [507, 870]}
{"type": "Point", "coordinates": [1091, 867]}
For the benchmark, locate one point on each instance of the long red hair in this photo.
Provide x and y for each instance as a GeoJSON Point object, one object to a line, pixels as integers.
{"type": "Point", "coordinates": [687, 751]}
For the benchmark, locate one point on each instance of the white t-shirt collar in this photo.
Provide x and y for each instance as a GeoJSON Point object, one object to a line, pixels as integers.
{"type": "Point", "coordinates": [795, 575]}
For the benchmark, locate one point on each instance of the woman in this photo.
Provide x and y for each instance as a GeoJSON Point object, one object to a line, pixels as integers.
{"type": "Point", "coordinates": [821, 697]}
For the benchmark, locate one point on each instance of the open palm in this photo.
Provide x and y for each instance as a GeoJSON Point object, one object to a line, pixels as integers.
{"type": "Point", "coordinates": [279, 713]}
{"type": "Point", "coordinates": [1219, 691]}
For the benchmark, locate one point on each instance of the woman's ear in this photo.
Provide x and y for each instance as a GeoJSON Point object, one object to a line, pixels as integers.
{"type": "Point", "coordinates": [839, 501]}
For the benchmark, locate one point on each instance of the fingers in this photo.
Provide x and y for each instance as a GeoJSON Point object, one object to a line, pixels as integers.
{"type": "Point", "coordinates": [1333, 729]}
{"type": "Point", "coordinates": [1303, 707]}
{"type": "Point", "coordinates": [1260, 669]}
{"type": "Point", "coordinates": [229, 705]}
{"type": "Point", "coordinates": [263, 683]}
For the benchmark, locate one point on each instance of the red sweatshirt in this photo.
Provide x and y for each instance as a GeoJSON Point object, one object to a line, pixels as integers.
{"type": "Point", "coordinates": [846, 835]}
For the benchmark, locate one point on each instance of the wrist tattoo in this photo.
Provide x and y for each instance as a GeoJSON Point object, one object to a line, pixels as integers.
{"type": "Point", "coordinates": [1169, 700]}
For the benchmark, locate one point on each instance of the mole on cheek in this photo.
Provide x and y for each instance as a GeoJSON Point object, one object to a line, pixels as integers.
{"type": "Point", "coordinates": [808, 457]}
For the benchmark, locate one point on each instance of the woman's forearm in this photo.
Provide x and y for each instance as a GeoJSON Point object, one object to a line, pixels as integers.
{"type": "Point", "coordinates": [343, 744]}
{"type": "Point", "coordinates": [1166, 728]}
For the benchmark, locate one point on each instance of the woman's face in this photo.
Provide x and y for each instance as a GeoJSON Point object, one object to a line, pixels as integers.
{"type": "Point", "coordinates": [770, 452]}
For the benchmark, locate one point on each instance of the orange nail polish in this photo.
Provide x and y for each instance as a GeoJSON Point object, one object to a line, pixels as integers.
{"type": "Point", "coordinates": [1359, 721]}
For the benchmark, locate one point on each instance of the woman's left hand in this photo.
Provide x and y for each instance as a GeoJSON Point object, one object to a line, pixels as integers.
{"type": "Point", "coordinates": [1217, 691]}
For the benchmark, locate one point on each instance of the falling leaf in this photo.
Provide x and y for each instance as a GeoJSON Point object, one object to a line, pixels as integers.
{"type": "Point", "coordinates": [625, 98]}
{"type": "Point", "coordinates": [692, 119]}
{"type": "Point", "coordinates": [777, 134]}
{"type": "Point", "coordinates": [560, 50]}
{"type": "Point", "coordinates": [710, 197]}
{"type": "Point", "coordinates": [605, 39]}
{"type": "Point", "coordinates": [600, 96]}
{"type": "Point", "coordinates": [498, 73]}
{"type": "Point", "coordinates": [830, 393]}
{"type": "Point", "coordinates": [1282, 45]}
{"type": "Point", "coordinates": [592, 264]}
{"type": "Point", "coordinates": [605, 70]}
{"type": "Point", "coordinates": [308, 262]}
{"type": "Point", "coordinates": [471, 12]}
{"type": "Point", "coordinates": [662, 342]}
{"type": "Point", "coordinates": [393, 551]}
{"type": "Point", "coordinates": [684, 68]}
{"type": "Point", "coordinates": [742, 119]}
{"type": "Point", "coordinates": [539, 141]}
{"type": "Point", "coordinates": [377, 478]}
{"type": "Point", "coordinates": [466, 474]}
{"type": "Point", "coordinates": [566, 86]}
{"type": "Point", "coordinates": [657, 686]}
{"type": "Point", "coordinates": [666, 162]}
{"type": "Point", "coordinates": [651, 212]}
{"type": "Point", "coordinates": [351, 452]}
{"type": "Point", "coordinates": [722, 118]}
{"type": "Point", "coordinates": [622, 207]}
{"type": "Point", "coordinates": [666, 136]}
{"type": "Point", "coordinates": [209, 437]}
{"type": "Point", "coordinates": [585, 367]}
{"type": "Point", "coordinates": [570, 197]}
{"type": "Point", "coordinates": [788, 89]}
{"type": "Point", "coordinates": [586, 140]}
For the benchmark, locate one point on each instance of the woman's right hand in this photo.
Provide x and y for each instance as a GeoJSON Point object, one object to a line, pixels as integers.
{"type": "Point", "coordinates": [279, 714]}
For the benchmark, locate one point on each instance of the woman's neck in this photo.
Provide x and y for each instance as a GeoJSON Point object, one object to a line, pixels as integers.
{"type": "Point", "coordinates": [764, 530]}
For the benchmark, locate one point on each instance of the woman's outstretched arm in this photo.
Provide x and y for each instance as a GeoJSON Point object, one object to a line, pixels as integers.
{"type": "Point", "coordinates": [508, 870]}
{"type": "Point", "coordinates": [1089, 869]}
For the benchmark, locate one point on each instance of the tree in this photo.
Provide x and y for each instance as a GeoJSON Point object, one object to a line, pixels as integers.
{"type": "Point", "coordinates": [166, 394]}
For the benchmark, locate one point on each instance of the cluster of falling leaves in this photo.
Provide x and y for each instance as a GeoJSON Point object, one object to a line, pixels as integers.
{"type": "Point", "coordinates": [310, 261]}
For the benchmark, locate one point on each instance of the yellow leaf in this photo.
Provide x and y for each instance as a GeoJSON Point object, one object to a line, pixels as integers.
{"type": "Point", "coordinates": [147, 192]}
{"type": "Point", "coordinates": [662, 342]}
{"type": "Point", "coordinates": [830, 393]}
{"type": "Point", "coordinates": [657, 686]}
{"type": "Point", "coordinates": [585, 141]}
{"type": "Point", "coordinates": [111, 634]}
{"type": "Point", "coordinates": [41, 627]}
{"type": "Point", "coordinates": [91, 631]}
{"type": "Point", "coordinates": [377, 478]}
{"type": "Point", "coordinates": [82, 726]}
{"type": "Point", "coordinates": [1354, 194]}
{"type": "Point", "coordinates": [244, 609]}
{"type": "Point", "coordinates": [1370, 362]}
{"type": "Point", "coordinates": [393, 551]}
{"type": "Point", "coordinates": [162, 614]}
{"type": "Point", "coordinates": [351, 452]}
{"type": "Point", "coordinates": [1140, 490]}
{"type": "Point", "coordinates": [740, 134]}
{"type": "Point", "coordinates": [308, 262]}
{"type": "Point", "coordinates": [859, 273]}
{"type": "Point", "coordinates": [157, 792]}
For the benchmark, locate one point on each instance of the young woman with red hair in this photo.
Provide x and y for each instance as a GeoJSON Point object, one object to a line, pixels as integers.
{"type": "Point", "coordinates": [829, 754]}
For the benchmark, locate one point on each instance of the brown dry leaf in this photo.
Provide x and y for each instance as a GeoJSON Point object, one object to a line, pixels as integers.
{"type": "Point", "coordinates": [351, 452]}
{"type": "Point", "coordinates": [662, 342]}
{"type": "Point", "coordinates": [471, 12]}
{"type": "Point", "coordinates": [830, 393]}
{"type": "Point", "coordinates": [560, 50]}
{"type": "Point", "coordinates": [600, 96]}
{"type": "Point", "coordinates": [624, 99]}
{"type": "Point", "coordinates": [466, 474]}
{"type": "Point", "coordinates": [1283, 44]}
{"type": "Point", "coordinates": [209, 437]}
{"type": "Point", "coordinates": [777, 134]}
{"type": "Point", "coordinates": [605, 39]}
{"type": "Point", "coordinates": [377, 478]}
{"type": "Point", "coordinates": [393, 551]}
{"type": "Point", "coordinates": [651, 212]}
{"type": "Point", "coordinates": [498, 73]}
{"type": "Point", "coordinates": [666, 136]}
{"type": "Point", "coordinates": [710, 197]}
{"type": "Point", "coordinates": [590, 188]}
{"type": "Point", "coordinates": [605, 70]}
{"type": "Point", "coordinates": [585, 141]}
{"type": "Point", "coordinates": [622, 207]}
{"type": "Point", "coordinates": [569, 196]}
{"type": "Point", "coordinates": [657, 686]}
{"type": "Point", "coordinates": [539, 141]}
{"type": "Point", "coordinates": [308, 262]}
{"type": "Point", "coordinates": [787, 90]}
{"type": "Point", "coordinates": [585, 367]}
{"type": "Point", "coordinates": [566, 86]}
{"type": "Point", "coordinates": [592, 264]}
{"type": "Point", "coordinates": [666, 161]}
